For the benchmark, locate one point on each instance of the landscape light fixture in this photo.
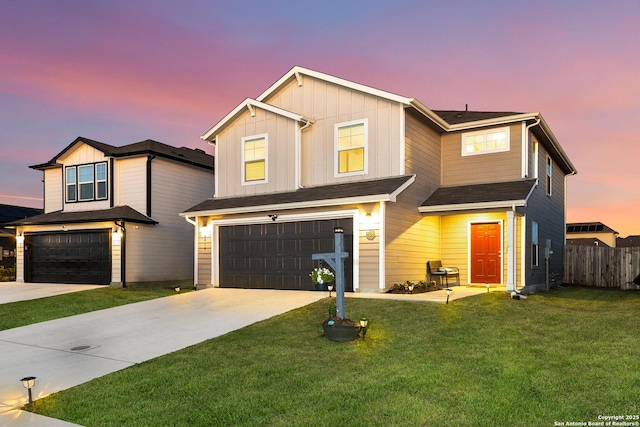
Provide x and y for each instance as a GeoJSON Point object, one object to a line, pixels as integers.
{"type": "Point", "coordinates": [488, 287]}
{"type": "Point", "coordinates": [364, 322]}
{"type": "Point", "coordinates": [411, 288]}
{"type": "Point", "coordinates": [448, 293]}
{"type": "Point", "coordinates": [28, 383]}
{"type": "Point", "coordinates": [330, 287]}
{"type": "Point", "coordinates": [177, 288]}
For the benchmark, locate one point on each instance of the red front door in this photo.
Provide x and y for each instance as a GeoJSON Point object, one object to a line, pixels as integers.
{"type": "Point", "coordinates": [485, 253]}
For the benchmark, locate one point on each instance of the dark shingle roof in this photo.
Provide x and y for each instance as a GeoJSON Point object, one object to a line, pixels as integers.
{"type": "Point", "coordinates": [481, 193]}
{"type": "Point", "coordinates": [587, 241]}
{"type": "Point", "coordinates": [195, 157]}
{"type": "Point", "coordinates": [454, 117]}
{"type": "Point", "coordinates": [11, 213]}
{"type": "Point", "coordinates": [118, 213]}
{"type": "Point", "coordinates": [628, 242]}
{"type": "Point", "coordinates": [348, 190]}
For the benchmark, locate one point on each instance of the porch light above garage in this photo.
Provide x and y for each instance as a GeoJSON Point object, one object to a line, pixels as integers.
{"type": "Point", "coordinates": [117, 235]}
{"type": "Point", "coordinates": [19, 239]}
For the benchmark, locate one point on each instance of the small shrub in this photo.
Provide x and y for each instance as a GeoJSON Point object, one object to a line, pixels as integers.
{"type": "Point", "coordinates": [7, 274]}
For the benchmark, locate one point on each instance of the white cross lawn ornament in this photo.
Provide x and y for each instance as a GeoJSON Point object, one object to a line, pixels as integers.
{"type": "Point", "coordinates": [336, 261]}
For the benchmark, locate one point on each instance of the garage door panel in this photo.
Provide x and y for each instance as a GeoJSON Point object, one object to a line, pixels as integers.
{"type": "Point", "coordinates": [68, 257]}
{"type": "Point", "coordinates": [284, 250]}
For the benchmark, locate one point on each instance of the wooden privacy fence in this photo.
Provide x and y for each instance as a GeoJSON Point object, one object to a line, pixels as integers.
{"type": "Point", "coordinates": [602, 266]}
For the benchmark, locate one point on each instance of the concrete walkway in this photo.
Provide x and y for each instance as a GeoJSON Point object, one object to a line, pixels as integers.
{"type": "Point", "coordinates": [66, 352]}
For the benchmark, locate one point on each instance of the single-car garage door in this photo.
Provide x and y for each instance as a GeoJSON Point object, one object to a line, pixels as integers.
{"type": "Point", "coordinates": [68, 257]}
{"type": "Point", "coordinates": [277, 255]}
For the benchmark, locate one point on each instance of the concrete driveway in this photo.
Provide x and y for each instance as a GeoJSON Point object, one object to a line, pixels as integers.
{"type": "Point", "coordinates": [66, 352]}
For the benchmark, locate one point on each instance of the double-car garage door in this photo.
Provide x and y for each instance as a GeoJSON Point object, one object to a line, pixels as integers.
{"type": "Point", "coordinates": [277, 255]}
{"type": "Point", "coordinates": [68, 257]}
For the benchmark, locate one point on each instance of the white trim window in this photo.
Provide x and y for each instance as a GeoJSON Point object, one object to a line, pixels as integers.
{"type": "Point", "coordinates": [71, 184]}
{"type": "Point", "coordinates": [485, 141]}
{"type": "Point", "coordinates": [254, 159]}
{"type": "Point", "coordinates": [535, 251]}
{"type": "Point", "coordinates": [351, 139]}
{"type": "Point", "coordinates": [548, 173]}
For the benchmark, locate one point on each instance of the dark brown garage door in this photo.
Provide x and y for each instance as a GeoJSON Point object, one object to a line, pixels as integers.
{"type": "Point", "coordinates": [68, 257]}
{"type": "Point", "coordinates": [278, 255]}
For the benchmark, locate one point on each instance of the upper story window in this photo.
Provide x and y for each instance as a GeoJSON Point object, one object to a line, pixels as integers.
{"type": "Point", "coordinates": [254, 159]}
{"type": "Point", "coordinates": [86, 182]}
{"type": "Point", "coordinates": [351, 148]}
{"type": "Point", "coordinates": [485, 141]}
{"type": "Point", "coordinates": [549, 171]}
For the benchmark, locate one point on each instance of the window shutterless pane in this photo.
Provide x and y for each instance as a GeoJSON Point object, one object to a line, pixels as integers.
{"type": "Point", "coordinates": [71, 193]}
{"type": "Point", "coordinates": [86, 191]}
{"type": "Point", "coordinates": [254, 171]}
{"type": "Point", "coordinates": [101, 171]}
{"type": "Point", "coordinates": [71, 175]}
{"type": "Point", "coordinates": [351, 160]}
{"type": "Point", "coordinates": [102, 190]}
{"type": "Point", "coordinates": [85, 173]}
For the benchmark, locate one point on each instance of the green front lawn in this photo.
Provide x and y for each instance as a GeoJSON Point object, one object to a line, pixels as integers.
{"type": "Point", "coordinates": [21, 313]}
{"type": "Point", "coordinates": [568, 355]}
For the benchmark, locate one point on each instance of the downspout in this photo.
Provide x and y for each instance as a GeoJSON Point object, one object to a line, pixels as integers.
{"type": "Point", "coordinates": [526, 152]}
{"type": "Point", "coordinates": [298, 150]}
{"type": "Point", "coordinates": [195, 250]}
{"type": "Point", "coordinates": [149, 159]}
{"type": "Point", "coordinates": [123, 253]}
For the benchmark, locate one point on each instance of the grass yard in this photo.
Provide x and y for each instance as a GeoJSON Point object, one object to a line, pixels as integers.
{"type": "Point", "coordinates": [568, 355]}
{"type": "Point", "coordinates": [23, 313]}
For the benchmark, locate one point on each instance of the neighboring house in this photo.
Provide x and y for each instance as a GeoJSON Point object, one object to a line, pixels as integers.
{"type": "Point", "coordinates": [628, 242]}
{"type": "Point", "coordinates": [111, 215]}
{"type": "Point", "coordinates": [594, 231]}
{"type": "Point", "coordinates": [10, 213]}
{"type": "Point", "coordinates": [484, 192]}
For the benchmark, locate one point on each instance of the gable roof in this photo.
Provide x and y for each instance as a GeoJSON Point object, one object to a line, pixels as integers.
{"type": "Point", "coordinates": [586, 241]}
{"type": "Point", "coordinates": [446, 120]}
{"type": "Point", "coordinates": [628, 242]}
{"type": "Point", "coordinates": [325, 195]}
{"type": "Point", "coordinates": [10, 213]}
{"type": "Point", "coordinates": [118, 213]}
{"type": "Point", "coordinates": [195, 157]}
{"type": "Point", "coordinates": [479, 196]}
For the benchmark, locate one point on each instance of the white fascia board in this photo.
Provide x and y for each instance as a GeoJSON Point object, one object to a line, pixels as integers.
{"type": "Point", "coordinates": [394, 194]}
{"type": "Point", "coordinates": [495, 121]}
{"type": "Point", "coordinates": [505, 204]}
{"type": "Point", "coordinates": [297, 70]}
{"type": "Point", "coordinates": [556, 145]}
{"type": "Point", "coordinates": [425, 111]}
{"type": "Point", "coordinates": [296, 205]}
{"type": "Point", "coordinates": [246, 104]}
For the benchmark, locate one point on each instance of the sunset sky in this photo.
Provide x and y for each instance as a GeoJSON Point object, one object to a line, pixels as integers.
{"type": "Point", "coordinates": [124, 71]}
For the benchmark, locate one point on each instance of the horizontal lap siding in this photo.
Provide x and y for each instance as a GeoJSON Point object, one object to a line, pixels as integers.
{"type": "Point", "coordinates": [164, 251]}
{"type": "Point", "coordinates": [481, 168]}
{"type": "Point", "coordinates": [84, 154]}
{"type": "Point", "coordinates": [411, 238]}
{"type": "Point", "coordinates": [455, 241]}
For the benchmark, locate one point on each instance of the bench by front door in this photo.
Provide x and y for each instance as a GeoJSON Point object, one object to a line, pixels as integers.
{"type": "Point", "coordinates": [485, 253]}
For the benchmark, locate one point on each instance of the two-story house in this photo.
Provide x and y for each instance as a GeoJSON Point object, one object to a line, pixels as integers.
{"type": "Point", "coordinates": [484, 192]}
{"type": "Point", "coordinates": [111, 215]}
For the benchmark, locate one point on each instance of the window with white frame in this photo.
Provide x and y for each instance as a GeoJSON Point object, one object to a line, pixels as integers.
{"type": "Point", "coordinates": [254, 159]}
{"type": "Point", "coordinates": [534, 245]}
{"type": "Point", "coordinates": [351, 146]}
{"type": "Point", "coordinates": [549, 171]}
{"type": "Point", "coordinates": [86, 182]}
{"type": "Point", "coordinates": [485, 141]}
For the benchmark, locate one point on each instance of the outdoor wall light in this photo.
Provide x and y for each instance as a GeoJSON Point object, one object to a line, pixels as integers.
{"type": "Point", "coordinates": [369, 227]}
{"type": "Point", "coordinates": [19, 239]}
{"type": "Point", "coordinates": [338, 230]}
{"type": "Point", "coordinates": [364, 322]}
{"type": "Point", "coordinates": [28, 383]}
{"type": "Point", "coordinates": [330, 287]}
{"type": "Point", "coordinates": [448, 293]}
{"type": "Point", "coordinates": [205, 233]}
